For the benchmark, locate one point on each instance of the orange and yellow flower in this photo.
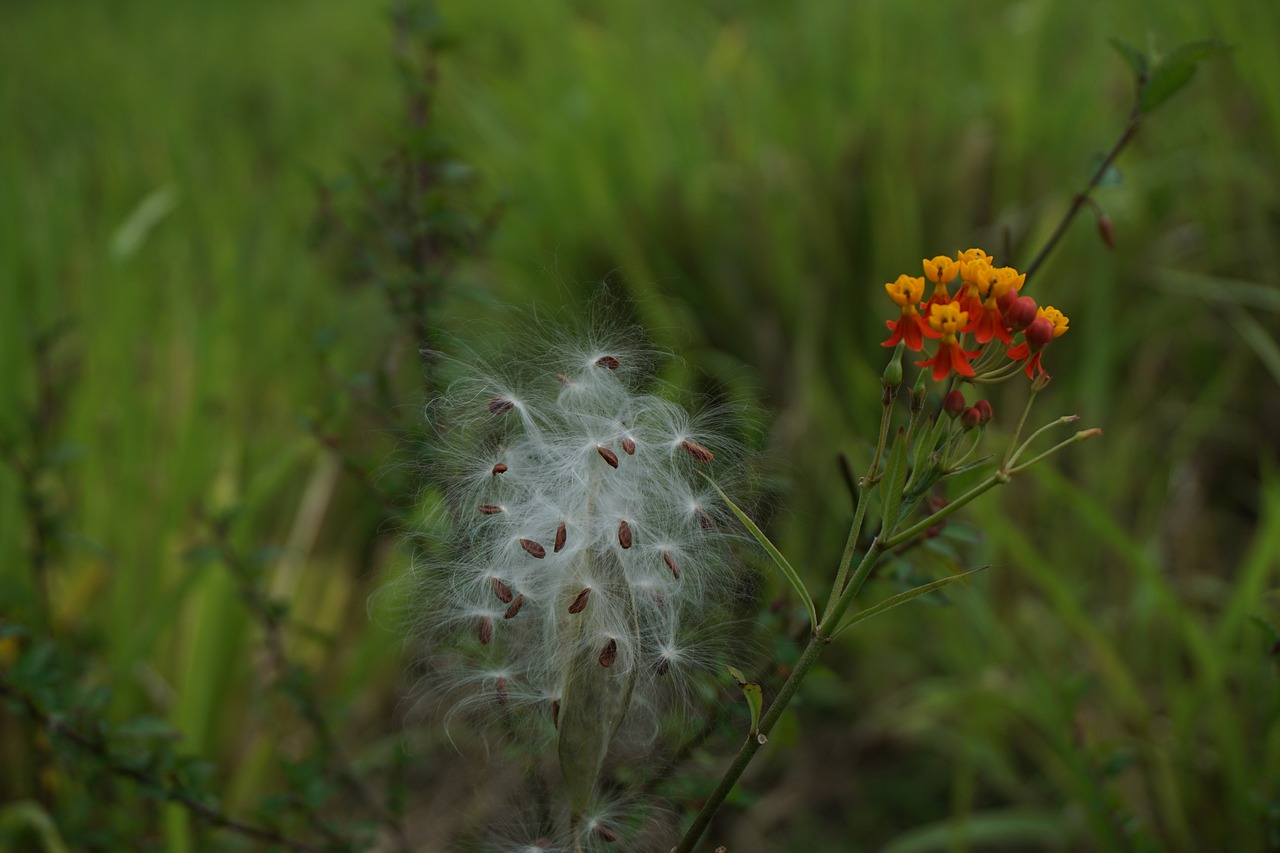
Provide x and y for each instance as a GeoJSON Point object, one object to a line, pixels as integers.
{"type": "Point", "coordinates": [947, 321]}
{"type": "Point", "coordinates": [910, 326]}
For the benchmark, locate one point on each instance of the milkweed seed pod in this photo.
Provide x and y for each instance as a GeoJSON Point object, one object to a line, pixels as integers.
{"type": "Point", "coordinates": [589, 563]}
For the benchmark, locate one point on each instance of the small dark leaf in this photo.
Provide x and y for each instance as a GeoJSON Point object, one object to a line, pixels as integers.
{"type": "Point", "coordinates": [1134, 58]}
{"type": "Point", "coordinates": [1176, 70]}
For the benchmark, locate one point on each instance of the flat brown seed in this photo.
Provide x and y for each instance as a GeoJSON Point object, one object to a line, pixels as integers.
{"type": "Point", "coordinates": [609, 653]}
{"type": "Point", "coordinates": [555, 713]}
{"type": "Point", "coordinates": [501, 405]}
{"type": "Point", "coordinates": [502, 690]}
{"type": "Point", "coordinates": [561, 534]}
{"type": "Point", "coordinates": [705, 521]}
{"type": "Point", "coordinates": [533, 548]}
{"type": "Point", "coordinates": [608, 361]}
{"type": "Point", "coordinates": [607, 455]}
{"type": "Point", "coordinates": [514, 608]}
{"type": "Point", "coordinates": [624, 534]}
{"type": "Point", "coordinates": [629, 446]}
{"type": "Point", "coordinates": [501, 590]}
{"type": "Point", "coordinates": [664, 664]}
{"type": "Point", "coordinates": [606, 834]}
{"type": "Point", "coordinates": [499, 469]}
{"type": "Point", "coordinates": [486, 630]}
{"type": "Point", "coordinates": [564, 380]}
{"type": "Point", "coordinates": [697, 451]}
{"type": "Point", "coordinates": [490, 509]}
{"type": "Point", "coordinates": [671, 564]}
{"type": "Point", "coordinates": [580, 602]}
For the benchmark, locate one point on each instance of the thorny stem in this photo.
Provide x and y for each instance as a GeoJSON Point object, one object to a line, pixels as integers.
{"type": "Point", "coordinates": [284, 671]}
{"type": "Point", "coordinates": [205, 812]}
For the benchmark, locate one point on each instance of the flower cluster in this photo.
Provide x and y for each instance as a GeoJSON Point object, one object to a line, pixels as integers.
{"type": "Point", "coordinates": [588, 560]}
{"type": "Point", "coordinates": [987, 305]}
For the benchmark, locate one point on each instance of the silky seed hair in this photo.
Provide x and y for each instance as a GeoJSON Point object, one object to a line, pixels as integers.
{"type": "Point", "coordinates": [580, 527]}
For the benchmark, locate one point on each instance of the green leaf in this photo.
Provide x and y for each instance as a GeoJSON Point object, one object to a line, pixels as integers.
{"type": "Point", "coordinates": [1176, 70]}
{"type": "Point", "coordinates": [755, 698]}
{"type": "Point", "coordinates": [1136, 59]}
{"type": "Point", "coordinates": [895, 477]}
{"type": "Point", "coordinates": [903, 598]}
{"type": "Point", "coordinates": [791, 574]}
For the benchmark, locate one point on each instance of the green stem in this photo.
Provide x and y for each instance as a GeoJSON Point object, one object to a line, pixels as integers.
{"type": "Point", "coordinates": [752, 744]}
{"type": "Point", "coordinates": [1130, 129]}
{"type": "Point", "coordinates": [924, 524]}
{"type": "Point", "coordinates": [1080, 436]}
{"type": "Point", "coordinates": [1014, 450]}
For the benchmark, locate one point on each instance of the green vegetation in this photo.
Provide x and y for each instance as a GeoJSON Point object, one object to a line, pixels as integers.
{"type": "Point", "coordinates": [191, 401]}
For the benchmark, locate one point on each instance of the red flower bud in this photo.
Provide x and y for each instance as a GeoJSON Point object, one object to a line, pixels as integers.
{"type": "Point", "coordinates": [1021, 313]}
{"type": "Point", "coordinates": [985, 410]}
{"type": "Point", "coordinates": [1107, 231]}
{"type": "Point", "coordinates": [954, 403]}
{"type": "Point", "coordinates": [970, 417]}
{"type": "Point", "coordinates": [1006, 299]}
{"type": "Point", "coordinates": [1040, 332]}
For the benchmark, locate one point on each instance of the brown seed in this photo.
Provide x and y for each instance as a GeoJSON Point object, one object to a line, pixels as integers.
{"type": "Point", "coordinates": [608, 361]}
{"type": "Point", "coordinates": [664, 664]}
{"type": "Point", "coordinates": [502, 690]}
{"type": "Point", "coordinates": [671, 564]}
{"type": "Point", "coordinates": [580, 602]}
{"type": "Point", "coordinates": [606, 834]}
{"type": "Point", "coordinates": [486, 630]}
{"type": "Point", "coordinates": [555, 713]}
{"type": "Point", "coordinates": [533, 548]}
{"type": "Point", "coordinates": [697, 451]}
{"type": "Point", "coordinates": [624, 534]}
{"type": "Point", "coordinates": [564, 380]}
{"type": "Point", "coordinates": [501, 405]}
{"type": "Point", "coordinates": [499, 469]}
{"type": "Point", "coordinates": [607, 455]}
{"type": "Point", "coordinates": [489, 509]}
{"type": "Point", "coordinates": [561, 534]}
{"type": "Point", "coordinates": [705, 521]}
{"type": "Point", "coordinates": [609, 653]}
{"type": "Point", "coordinates": [501, 590]}
{"type": "Point", "coordinates": [629, 446]}
{"type": "Point", "coordinates": [514, 608]}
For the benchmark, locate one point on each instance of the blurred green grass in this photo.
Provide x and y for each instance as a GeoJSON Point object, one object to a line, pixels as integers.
{"type": "Point", "coordinates": [750, 173]}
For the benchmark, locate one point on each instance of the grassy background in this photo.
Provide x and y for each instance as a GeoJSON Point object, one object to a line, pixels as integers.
{"type": "Point", "coordinates": [750, 173]}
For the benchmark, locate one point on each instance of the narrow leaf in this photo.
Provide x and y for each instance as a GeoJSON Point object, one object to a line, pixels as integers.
{"type": "Point", "coordinates": [895, 477]}
{"type": "Point", "coordinates": [902, 598]}
{"type": "Point", "coordinates": [754, 695]}
{"type": "Point", "coordinates": [791, 574]}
